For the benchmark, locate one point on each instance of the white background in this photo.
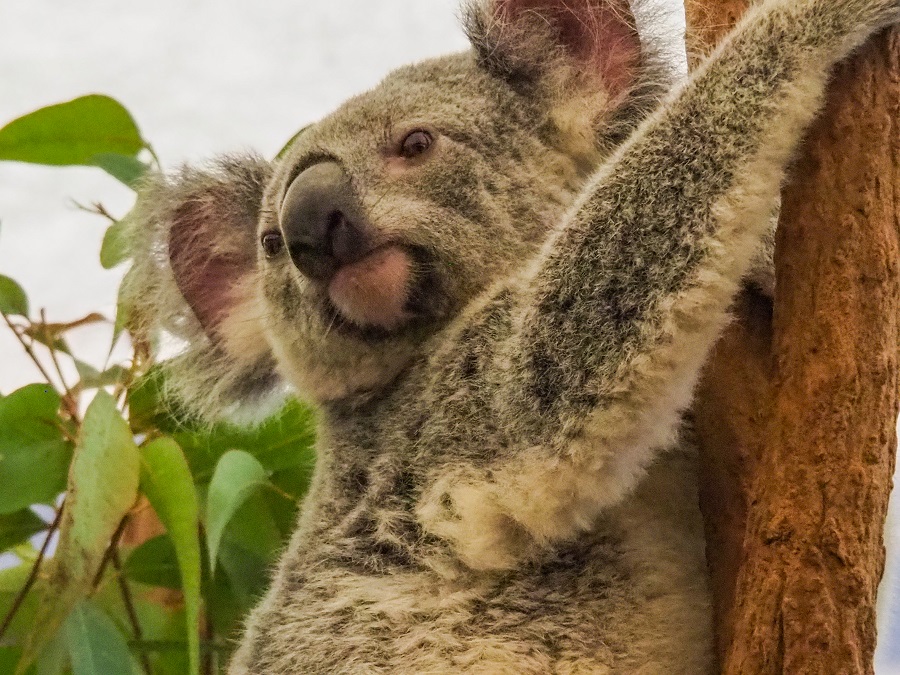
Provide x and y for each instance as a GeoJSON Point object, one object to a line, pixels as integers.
{"type": "Point", "coordinates": [201, 78]}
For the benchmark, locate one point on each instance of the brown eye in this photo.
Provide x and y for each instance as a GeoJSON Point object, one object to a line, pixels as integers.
{"type": "Point", "coordinates": [272, 243]}
{"type": "Point", "coordinates": [415, 144]}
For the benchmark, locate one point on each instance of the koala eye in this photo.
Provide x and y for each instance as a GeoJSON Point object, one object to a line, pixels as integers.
{"type": "Point", "coordinates": [415, 144]}
{"type": "Point", "coordinates": [272, 243]}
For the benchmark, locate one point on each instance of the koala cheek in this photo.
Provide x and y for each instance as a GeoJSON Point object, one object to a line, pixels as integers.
{"type": "Point", "coordinates": [241, 329]}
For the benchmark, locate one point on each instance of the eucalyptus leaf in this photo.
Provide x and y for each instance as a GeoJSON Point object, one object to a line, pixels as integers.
{"type": "Point", "coordinates": [103, 482]}
{"type": "Point", "coordinates": [238, 475]}
{"type": "Point", "coordinates": [19, 526]}
{"type": "Point", "coordinates": [167, 482]}
{"type": "Point", "coordinates": [85, 371]}
{"type": "Point", "coordinates": [114, 249]}
{"type": "Point", "coordinates": [9, 657]}
{"type": "Point", "coordinates": [11, 581]}
{"type": "Point", "coordinates": [54, 658]}
{"type": "Point", "coordinates": [13, 300]}
{"type": "Point", "coordinates": [290, 142]}
{"type": "Point", "coordinates": [126, 169]}
{"type": "Point", "coordinates": [247, 574]}
{"type": "Point", "coordinates": [91, 378]}
{"type": "Point", "coordinates": [103, 485]}
{"type": "Point", "coordinates": [254, 528]}
{"type": "Point", "coordinates": [281, 442]}
{"type": "Point", "coordinates": [72, 133]}
{"type": "Point", "coordinates": [96, 645]}
{"type": "Point", "coordinates": [154, 563]}
{"type": "Point", "coordinates": [34, 454]}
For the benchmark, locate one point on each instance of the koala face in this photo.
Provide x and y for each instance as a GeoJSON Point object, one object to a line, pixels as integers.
{"type": "Point", "coordinates": [335, 266]}
{"type": "Point", "coordinates": [388, 216]}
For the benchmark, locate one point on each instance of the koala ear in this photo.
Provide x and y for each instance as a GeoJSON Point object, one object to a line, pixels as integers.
{"type": "Point", "coordinates": [193, 240]}
{"type": "Point", "coordinates": [524, 41]}
{"type": "Point", "coordinates": [211, 241]}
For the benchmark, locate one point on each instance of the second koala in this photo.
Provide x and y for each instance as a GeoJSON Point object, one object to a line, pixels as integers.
{"type": "Point", "coordinates": [497, 274]}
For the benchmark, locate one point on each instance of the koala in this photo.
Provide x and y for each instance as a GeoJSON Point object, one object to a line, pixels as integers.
{"type": "Point", "coordinates": [497, 275]}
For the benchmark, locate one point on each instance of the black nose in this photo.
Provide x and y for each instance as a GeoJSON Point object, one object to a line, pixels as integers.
{"type": "Point", "coordinates": [322, 221]}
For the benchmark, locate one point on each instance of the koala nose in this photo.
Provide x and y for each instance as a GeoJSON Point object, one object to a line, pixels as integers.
{"type": "Point", "coordinates": [322, 221]}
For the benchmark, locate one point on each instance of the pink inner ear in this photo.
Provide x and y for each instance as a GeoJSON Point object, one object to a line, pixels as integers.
{"type": "Point", "coordinates": [207, 261]}
{"type": "Point", "coordinates": [599, 33]}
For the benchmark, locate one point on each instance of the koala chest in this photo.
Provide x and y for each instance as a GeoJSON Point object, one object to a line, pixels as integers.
{"type": "Point", "coordinates": [363, 590]}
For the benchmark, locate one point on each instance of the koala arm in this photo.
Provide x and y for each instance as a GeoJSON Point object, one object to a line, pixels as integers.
{"type": "Point", "coordinates": [588, 357]}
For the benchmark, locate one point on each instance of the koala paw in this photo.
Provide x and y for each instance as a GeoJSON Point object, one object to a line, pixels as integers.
{"type": "Point", "coordinates": [467, 512]}
{"type": "Point", "coordinates": [497, 518]}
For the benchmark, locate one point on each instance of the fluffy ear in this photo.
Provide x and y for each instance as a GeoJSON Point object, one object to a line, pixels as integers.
{"type": "Point", "coordinates": [193, 240]}
{"type": "Point", "coordinates": [524, 40]}
{"type": "Point", "coordinates": [582, 60]}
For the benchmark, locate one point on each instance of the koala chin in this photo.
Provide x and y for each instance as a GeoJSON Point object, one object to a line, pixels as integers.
{"type": "Point", "coordinates": [498, 274]}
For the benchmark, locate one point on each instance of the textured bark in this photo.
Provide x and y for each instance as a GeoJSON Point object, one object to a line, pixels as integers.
{"type": "Point", "coordinates": [797, 425]}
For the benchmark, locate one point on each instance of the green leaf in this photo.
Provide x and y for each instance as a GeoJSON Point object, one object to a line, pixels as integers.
{"type": "Point", "coordinates": [284, 441]}
{"type": "Point", "coordinates": [125, 169]}
{"type": "Point", "coordinates": [34, 454]}
{"type": "Point", "coordinates": [11, 581]}
{"type": "Point", "coordinates": [95, 644]}
{"type": "Point", "coordinates": [146, 408]}
{"type": "Point", "coordinates": [103, 484]}
{"type": "Point", "coordinates": [104, 480]}
{"type": "Point", "coordinates": [9, 657]}
{"type": "Point", "coordinates": [167, 482]}
{"type": "Point", "coordinates": [54, 658]}
{"type": "Point", "coordinates": [76, 132]}
{"type": "Point", "coordinates": [114, 249]}
{"type": "Point", "coordinates": [91, 378]}
{"type": "Point", "coordinates": [154, 563]}
{"type": "Point", "coordinates": [12, 298]}
{"type": "Point", "coordinates": [19, 526]}
{"type": "Point", "coordinates": [237, 476]}
{"type": "Point", "coordinates": [253, 527]}
{"type": "Point", "coordinates": [287, 146]}
{"type": "Point", "coordinates": [247, 574]}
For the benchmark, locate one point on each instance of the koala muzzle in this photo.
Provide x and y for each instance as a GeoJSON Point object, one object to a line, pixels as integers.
{"type": "Point", "coordinates": [323, 222]}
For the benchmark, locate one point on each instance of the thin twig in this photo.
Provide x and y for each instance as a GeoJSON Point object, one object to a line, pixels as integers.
{"type": "Point", "coordinates": [71, 403]}
{"type": "Point", "coordinates": [107, 555]}
{"type": "Point", "coordinates": [32, 577]}
{"type": "Point", "coordinates": [28, 350]}
{"type": "Point", "coordinates": [129, 607]}
{"type": "Point", "coordinates": [59, 426]}
{"type": "Point", "coordinates": [96, 209]}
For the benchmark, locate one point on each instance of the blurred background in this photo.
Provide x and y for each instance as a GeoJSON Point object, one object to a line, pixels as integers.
{"type": "Point", "coordinates": [201, 78]}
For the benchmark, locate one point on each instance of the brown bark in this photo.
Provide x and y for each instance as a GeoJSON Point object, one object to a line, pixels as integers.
{"type": "Point", "coordinates": [798, 440]}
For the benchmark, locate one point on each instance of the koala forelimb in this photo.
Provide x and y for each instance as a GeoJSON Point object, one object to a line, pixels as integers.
{"type": "Point", "coordinates": [498, 274]}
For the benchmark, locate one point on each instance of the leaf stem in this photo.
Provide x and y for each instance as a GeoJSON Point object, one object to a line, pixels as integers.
{"type": "Point", "coordinates": [71, 402]}
{"type": "Point", "coordinates": [32, 577]}
{"type": "Point", "coordinates": [108, 554]}
{"type": "Point", "coordinates": [129, 607]}
{"type": "Point", "coordinates": [28, 350]}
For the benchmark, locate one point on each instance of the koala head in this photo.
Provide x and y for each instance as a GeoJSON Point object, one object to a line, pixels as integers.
{"type": "Point", "coordinates": [333, 266]}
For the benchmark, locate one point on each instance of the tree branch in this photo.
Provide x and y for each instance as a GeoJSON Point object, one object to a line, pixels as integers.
{"type": "Point", "coordinates": [798, 440]}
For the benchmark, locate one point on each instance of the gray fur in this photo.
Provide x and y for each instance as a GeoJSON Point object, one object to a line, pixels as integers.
{"type": "Point", "coordinates": [486, 498]}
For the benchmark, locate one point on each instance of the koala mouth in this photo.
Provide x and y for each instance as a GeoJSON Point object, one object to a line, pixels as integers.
{"type": "Point", "coordinates": [389, 289]}
{"type": "Point", "coordinates": [374, 291]}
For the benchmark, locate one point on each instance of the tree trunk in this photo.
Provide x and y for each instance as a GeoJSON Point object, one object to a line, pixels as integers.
{"type": "Point", "coordinates": [796, 413]}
